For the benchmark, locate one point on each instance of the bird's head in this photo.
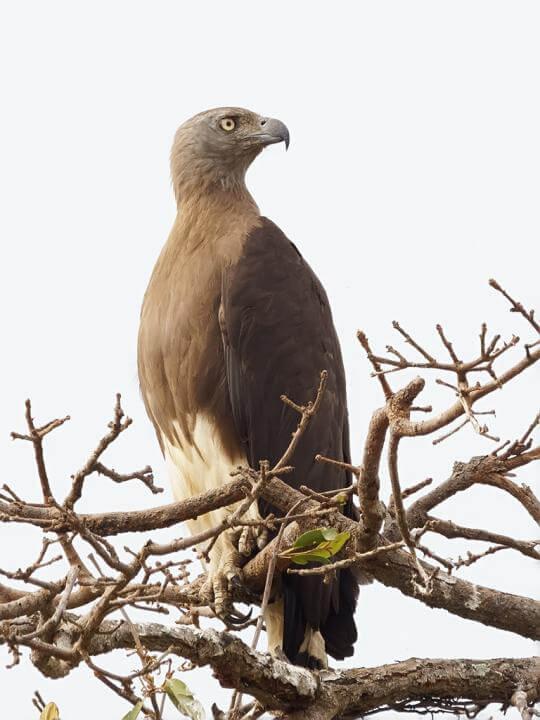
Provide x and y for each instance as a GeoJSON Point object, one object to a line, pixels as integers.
{"type": "Point", "coordinates": [216, 147]}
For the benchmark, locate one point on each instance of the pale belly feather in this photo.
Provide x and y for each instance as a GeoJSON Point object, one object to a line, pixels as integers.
{"type": "Point", "coordinates": [203, 465]}
{"type": "Point", "coordinates": [199, 466]}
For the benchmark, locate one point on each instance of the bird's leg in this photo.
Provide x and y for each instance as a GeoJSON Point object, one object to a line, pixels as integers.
{"type": "Point", "coordinates": [224, 572]}
{"type": "Point", "coordinates": [251, 538]}
{"type": "Point", "coordinates": [226, 557]}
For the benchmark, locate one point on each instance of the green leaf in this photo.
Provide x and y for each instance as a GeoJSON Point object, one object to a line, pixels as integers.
{"type": "Point", "coordinates": [177, 687]}
{"type": "Point", "coordinates": [311, 537]}
{"type": "Point", "coordinates": [134, 712]}
{"type": "Point", "coordinates": [182, 698]}
{"type": "Point", "coordinates": [50, 712]}
{"type": "Point", "coordinates": [338, 542]}
{"type": "Point", "coordinates": [316, 546]}
{"type": "Point", "coordinates": [329, 533]}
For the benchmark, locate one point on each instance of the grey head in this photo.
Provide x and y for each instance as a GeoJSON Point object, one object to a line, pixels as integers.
{"type": "Point", "coordinates": [216, 147]}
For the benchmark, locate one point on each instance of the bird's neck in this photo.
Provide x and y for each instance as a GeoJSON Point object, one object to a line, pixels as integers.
{"type": "Point", "coordinates": [227, 194]}
{"type": "Point", "coordinates": [214, 217]}
{"type": "Point", "coordinates": [210, 179]}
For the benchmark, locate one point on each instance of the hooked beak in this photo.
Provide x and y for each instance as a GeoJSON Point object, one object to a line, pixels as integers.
{"type": "Point", "coordinates": [272, 131]}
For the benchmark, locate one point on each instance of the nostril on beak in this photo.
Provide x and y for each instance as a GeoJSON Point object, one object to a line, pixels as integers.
{"type": "Point", "coordinates": [263, 122]}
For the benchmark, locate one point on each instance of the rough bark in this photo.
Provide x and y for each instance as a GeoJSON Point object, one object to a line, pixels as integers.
{"type": "Point", "coordinates": [328, 694]}
{"type": "Point", "coordinates": [115, 523]}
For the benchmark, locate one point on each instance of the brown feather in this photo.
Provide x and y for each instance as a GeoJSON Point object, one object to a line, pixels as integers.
{"type": "Point", "coordinates": [180, 352]}
{"type": "Point", "coordinates": [233, 317]}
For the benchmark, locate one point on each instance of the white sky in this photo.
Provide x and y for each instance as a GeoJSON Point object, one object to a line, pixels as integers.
{"type": "Point", "coordinates": [412, 177]}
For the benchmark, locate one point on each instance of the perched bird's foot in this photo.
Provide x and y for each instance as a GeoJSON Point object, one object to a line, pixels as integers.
{"type": "Point", "coordinates": [224, 575]}
{"type": "Point", "coordinates": [251, 539]}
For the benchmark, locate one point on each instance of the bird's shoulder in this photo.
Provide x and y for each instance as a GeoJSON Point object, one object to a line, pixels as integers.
{"type": "Point", "coordinates": [271, 295]}
{"type": "Point", "coordinates": [270, 262]}
{"type": "Point", "coordinates": [267, 238]}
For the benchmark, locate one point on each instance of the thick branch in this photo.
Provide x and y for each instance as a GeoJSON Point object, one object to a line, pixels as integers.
{"type": "Point", "coordinates": [364, 690]}
{"type": "Point", "coordinates": [497, 609]}
{"type": "Point", "coordinates": [114, 523]}
{"type": "Point", "coordinates": [302, 694]}
{"type": "Point", "coordinates": [368, 481]}
{"type": "Point", "coordinates": [485, 470]}
{"type": "Point", "coordinates": [280, 686]}
{"type": "Point", "coordinates": [474, 602]}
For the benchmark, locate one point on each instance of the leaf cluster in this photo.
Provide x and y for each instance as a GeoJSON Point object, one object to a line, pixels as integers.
{"type": "Point", "coordinates": [316, 546]}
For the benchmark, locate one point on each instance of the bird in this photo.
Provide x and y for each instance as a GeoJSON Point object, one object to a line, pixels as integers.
{"type": "Point", "coordinates": [232, 319]}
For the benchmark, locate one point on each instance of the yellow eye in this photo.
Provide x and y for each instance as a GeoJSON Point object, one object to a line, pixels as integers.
{"type": "Point", "coordinates": [228, 124]}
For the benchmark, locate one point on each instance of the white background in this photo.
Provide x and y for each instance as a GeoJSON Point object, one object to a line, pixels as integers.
{"type": "Point", "coordinates": [412, 177]}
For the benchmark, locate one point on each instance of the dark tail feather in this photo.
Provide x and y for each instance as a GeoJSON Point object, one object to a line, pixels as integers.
{"type": "Point", "coordinates": [294, 621]}
{"type": "Point", "coordinates": [319, 618]}
{"type": "Point", "coordinates": [339, 630]}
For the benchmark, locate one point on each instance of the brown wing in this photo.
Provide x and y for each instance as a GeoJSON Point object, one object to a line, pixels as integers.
{"type": "Point", "coordinates": [278, 335]}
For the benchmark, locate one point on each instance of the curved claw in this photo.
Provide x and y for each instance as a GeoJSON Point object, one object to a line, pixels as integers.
{"type": "Point", "coordinates": [236, 618]}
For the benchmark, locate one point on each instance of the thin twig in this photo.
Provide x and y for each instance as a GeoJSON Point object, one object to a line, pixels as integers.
{"type": "Point", "coordinates": [516, 306]}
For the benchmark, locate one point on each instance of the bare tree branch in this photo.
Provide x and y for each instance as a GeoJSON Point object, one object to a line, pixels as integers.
{"type": "Point", "coordinates": [280, 686]}
{"type": "Point", "coordinates": [155, 577]}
